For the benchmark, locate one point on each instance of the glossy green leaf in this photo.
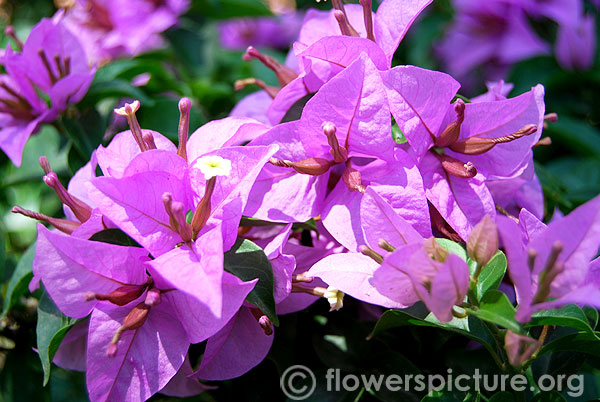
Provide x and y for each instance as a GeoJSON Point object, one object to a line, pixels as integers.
{"type": "Point", "coordinates": [52, 327]}
{"type": "Point", "coordinates": [224, 9]}
{"type": "Point", "coordinates": [453, 247]}
{"type": "Point", "coordinates": [495, 308]}
{"type": "Point", "coordinates": [397, 134]}
{"type": "Point", "coordinates": [17, 286]}
{"type": "Point", "coordinates": [584, 342]}
{"type": "Point", "coordinates": [492, 274]}
{"type": "Point", "coordinates": [592, 316]}
{"type": "Point", "coordinates": [576, 135]}
{"type": "Point", "coordinates": [470, 327]}
{"type": "Point", "coordinates": [115, 88]}
{"type": "Point", "coordinates": [571, 316]}
{"type": "Point", "coordinates": [248, 261]}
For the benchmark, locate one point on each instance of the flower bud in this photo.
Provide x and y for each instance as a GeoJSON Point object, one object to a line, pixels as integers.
{"type": "Point", "coordinates": [452, 131]}
{"type": "Point", "coordinates": [369, 252]}
{"type": "Point", "coordinates": [519, 348]}
{"type": "Point", "coordinates": [482, 244]}
{"type": "Point", "coordinates": [129, 111]}
{"type": "Point", "coordinates": [456, 167]}
{"type": "Point", "coordinates": [368, 17]}
{"type": "Point", "coordinates": [80, 209]}
{"type": "Point", "coordinates": [335, 298]}
{"type": "Point", "coordinates": [121, 296]}
{"type": "Point", "coordinates": [64, 225]}
{"type": "Point", "coordinates": [185, 105]}
{"type": "Point", "coordinates": [266, 325]}
{"type": "Point", "coordinates": [270, 90]}
{"type": "Point", "coordinates": [434, 250]}
{"type": "Point", "coordinates": [478, 145]}
{"type": "Point", "coordinates": [352, 179]}
{"type": "Point", "coordinates": [284, 74]}
{"type": "Point", "coordinates": [310, 166]}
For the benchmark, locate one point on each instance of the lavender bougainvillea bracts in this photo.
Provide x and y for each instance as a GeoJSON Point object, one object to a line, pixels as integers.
{"type": "Point", "coordinates": [117, 28]}
{"type": "Point", "coordinates": [550, 265]}
{"type": "Point", "coordinates": [354, 180]}
{"type": "Point", "coordinates": [46, 74]}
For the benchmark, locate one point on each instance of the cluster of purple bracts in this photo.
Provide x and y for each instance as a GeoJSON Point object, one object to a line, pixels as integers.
{"type": "Point", "coordinates": [497, 34]}
{"type": "Point", "coordinates": [55, 66]}
{"type": "Point", "coordinates": [51, 66]}
{"type": "Point", "coordinates": [461, 170]}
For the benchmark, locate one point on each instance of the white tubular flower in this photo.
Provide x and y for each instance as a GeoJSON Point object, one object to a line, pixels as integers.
{"type": "Point", "coordinates": [213, 165]}
{"type": "Point", "coordinates": [335, 298]}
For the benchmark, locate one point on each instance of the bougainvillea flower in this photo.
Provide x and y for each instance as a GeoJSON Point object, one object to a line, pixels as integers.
{"type": "Point", "coordinates": [493, 32]}
{"type": "Point", "coordinates": [251, 331]}
{"type": "Point", "coordinates": [424, 272]}
{"type": "Point", "coordinates": [345, 129]}
{"type": "Point", "coordinates": [302, 286]}
{"type": "Point", "coordinates": [550, 265]}
{"type": "Point", "coordinates": [342, 213]}
{"type": "Point", "coordinates": [461, 201]}
{"type": "Point", "coordinates": [275, 32]}
{"type": "Point", "coordinates": [141, 326]}
{"type": "Point", "coordinates": [576, 43]}
{"type": "Point", "coordinates": [472, 142]}
{"type": "Point", "coordinates": [496, 136]}
{"type": "Point", "coordinates": [352, 272]}
{"type": "Point", "coordinates": [222, 359]}
{"type": "Point", "coordinates": [297, 197]}
{"type": "Point", "coordinates": [116, 28]}
{"type": "Point", "coordinates": [524, 191]}
{"type": "Point", "coordinates": [386, 28]}
{"type": "Point", "coordinates": [329, 41]}
{"type": "Point", "coordinates": [52, 62]}
{"type": "Point", "coordinates": [161, 177]}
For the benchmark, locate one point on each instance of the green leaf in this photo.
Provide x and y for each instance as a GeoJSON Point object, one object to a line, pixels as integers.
{"type": "Point", "coordinates": [397, 134]}
{"type": "Point", "coordinates": [571, 316]}
{"type": "Point", "coordinates": [551, 396]}
{"type": "Point", "coordinates": [592, 316]}
{"type": "Point", "coordinates": [578, 136]}
{"type": "Point", "coordinates": [463, 98]}
{"type": "Point", "coordinates": [470, 327]}
{"type": "Point", "coordinates": [17, 286]}
{"type": "Point", "coordinates": [114, 236]}
{"type": "Point", "coordinates": [187, 44]}
{"type": "Point", "coordinates": [248, 261]}
{"type": "Point", "coordinates": [115, 88]}
{"type": "Point", "coordinates": [52, 327]}
{"type": "Point", "coordinates": [491, 275]}
{"type": "Point", "coordinates": [85, 131]}
{"type": "Point", "coordinates": [497, 309]}
{"type": "Point", "coordinates": [224, 9]}
{"type": "Point", "coordinates": [453, 247]}
{"type": "Point", "coordinates": [577, 178]}
{"type": "Point", "coordinates": [163, 116]}
{"type": "Point", "coordinates": [584, 342]}
{"type": "Point", "coordinates": [2, 253]}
